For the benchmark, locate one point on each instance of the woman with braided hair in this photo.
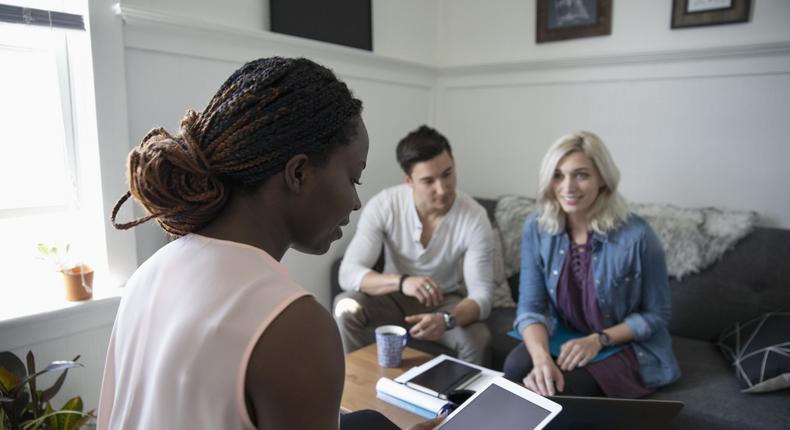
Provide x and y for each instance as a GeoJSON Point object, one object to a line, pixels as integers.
{"type": "Point", "coordinates": [212, 332]}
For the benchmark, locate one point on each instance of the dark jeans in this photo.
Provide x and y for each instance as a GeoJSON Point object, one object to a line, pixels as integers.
{"type": "Point", "coordinates": [578, 382]}
{"type": "Point", "coordinates": [366, 420]}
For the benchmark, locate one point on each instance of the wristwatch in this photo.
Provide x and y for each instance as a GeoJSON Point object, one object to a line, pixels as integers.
{"type": "Point", "coordinates": [603, 339]}
{"type": "Point", "coordinates": [449, 321]}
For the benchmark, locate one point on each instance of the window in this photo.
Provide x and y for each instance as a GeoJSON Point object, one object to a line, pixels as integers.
{"type": "Point", "coordinates": [49, 175]}
{"type": "Point", "coordinates": [38, 165]}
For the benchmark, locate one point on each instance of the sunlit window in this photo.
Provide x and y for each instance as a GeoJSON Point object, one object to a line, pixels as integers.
{"type": "Point", "coordinates": [49, 178]}
{"type": "Point", "coordinates": [35, 166]}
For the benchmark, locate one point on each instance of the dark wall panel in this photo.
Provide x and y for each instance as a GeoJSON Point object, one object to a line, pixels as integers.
{"type": "Point", "coordinates": [345, 22]}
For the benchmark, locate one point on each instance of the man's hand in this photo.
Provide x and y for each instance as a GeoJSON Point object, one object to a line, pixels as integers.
{"type": "Point", "coordinates": [426, 326]}
{"type": "Point", "coordinates": [424, 289]}
{"type": "Point", "coordinates": [578, 352]}
{"type": "Point", "coordinates": [544, 377]}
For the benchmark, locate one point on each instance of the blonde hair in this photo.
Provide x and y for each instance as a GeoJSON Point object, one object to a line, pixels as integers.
{"type": "Point", "coordinates": [608, 211]}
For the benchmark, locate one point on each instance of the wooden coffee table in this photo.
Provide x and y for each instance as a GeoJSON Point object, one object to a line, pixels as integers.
{"type": "Point", "coordinates": [362, 373]}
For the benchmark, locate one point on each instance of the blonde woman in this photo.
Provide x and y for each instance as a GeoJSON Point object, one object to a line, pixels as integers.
{"type": "Point", "coordinates": [594, 302]}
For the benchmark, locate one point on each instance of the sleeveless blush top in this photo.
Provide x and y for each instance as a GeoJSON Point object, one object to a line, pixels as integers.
{"type": "Point", "coordinates": [185, 329]}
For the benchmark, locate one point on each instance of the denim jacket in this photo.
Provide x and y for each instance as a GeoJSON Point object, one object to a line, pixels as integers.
{"type": "Point", "coordinates": [632, 286]}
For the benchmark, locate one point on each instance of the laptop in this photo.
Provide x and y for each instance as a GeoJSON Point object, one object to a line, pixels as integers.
{"type": "Point", "coordinates": [602, 413]}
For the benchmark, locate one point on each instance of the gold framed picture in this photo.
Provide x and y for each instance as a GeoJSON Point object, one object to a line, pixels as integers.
{"type": "Point", "coordinates": [571, 19]}
{"type": "Point", "coordinates": [696, 13]}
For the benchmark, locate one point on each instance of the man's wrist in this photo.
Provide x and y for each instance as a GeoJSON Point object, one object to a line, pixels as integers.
{"type": "Point", "coordinates": [400, 282]}
{"type": "Point", "coordinates": [449, 320]}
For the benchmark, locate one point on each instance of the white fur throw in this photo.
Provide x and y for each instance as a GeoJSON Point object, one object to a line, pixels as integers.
{"type": "Point", "coordinates": [693, 239]}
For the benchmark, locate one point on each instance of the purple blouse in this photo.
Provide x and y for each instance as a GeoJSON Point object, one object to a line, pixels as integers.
{"type": "Point", "coordinates": [617, 375]}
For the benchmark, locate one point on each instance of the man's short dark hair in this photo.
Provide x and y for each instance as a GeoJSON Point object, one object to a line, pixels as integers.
{"type": "Point", "coordinates": [422, 144]}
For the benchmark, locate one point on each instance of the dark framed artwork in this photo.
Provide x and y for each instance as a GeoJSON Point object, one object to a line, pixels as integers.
{"type": "Point", "coordinates": [570, 19]}
{"type": "Point", "coordinates": [695, 13]}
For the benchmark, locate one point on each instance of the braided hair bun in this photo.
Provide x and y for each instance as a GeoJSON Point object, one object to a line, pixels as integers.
{"type": "Point", "coordinates": [265, 113]}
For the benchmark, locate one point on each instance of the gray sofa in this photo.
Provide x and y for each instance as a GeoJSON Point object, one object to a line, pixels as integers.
{"type": "Point", "coordinates": [749, 280]}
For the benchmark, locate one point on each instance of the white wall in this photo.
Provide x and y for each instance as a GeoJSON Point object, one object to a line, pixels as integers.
{"type": "Point", "coordinates": [244, 14]}
{"type": "Point", "coordinates": [693, 117]}
{"type": "Point", "coordinates": [406, 29]}
{"type": "Point", "coordinates": [485, 32]}
{"type": "Point", "coordinates": [402, 29]}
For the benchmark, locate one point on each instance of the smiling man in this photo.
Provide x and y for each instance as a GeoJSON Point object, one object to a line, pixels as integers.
{"type": "Point", "coordinates": [428, 229]}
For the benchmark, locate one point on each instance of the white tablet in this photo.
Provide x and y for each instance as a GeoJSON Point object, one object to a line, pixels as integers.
{"type": "Point", "coordinates": [502, 405]}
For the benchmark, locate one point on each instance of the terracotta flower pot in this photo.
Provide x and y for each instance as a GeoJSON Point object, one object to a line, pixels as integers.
{"type": "Point", "coordinates": [79, 283]}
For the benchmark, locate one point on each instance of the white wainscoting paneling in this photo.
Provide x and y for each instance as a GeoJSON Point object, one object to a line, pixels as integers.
{"type": "Point", "coordinates": [691, 128]}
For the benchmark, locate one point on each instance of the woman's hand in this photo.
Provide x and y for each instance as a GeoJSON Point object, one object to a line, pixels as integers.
{"type": "Point", "coordinates": [427, 425]}
{"type": "Point", "coordinates": [424, 289]}
{"type": "Point", "coordinates": [544, 377]}
{"type": "Point", "coordinates": [578, 352]}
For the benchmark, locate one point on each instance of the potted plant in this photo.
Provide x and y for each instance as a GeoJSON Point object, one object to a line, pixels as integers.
{"type": "Point", "coordinates": [24, 407]}
{"type": "Point", "coordinates": [77, 277]}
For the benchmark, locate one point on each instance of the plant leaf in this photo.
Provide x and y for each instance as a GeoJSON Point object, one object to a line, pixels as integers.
{"type": "Point", "coordinates": [31, 424]}
{"type": "Point", "coordinates": [31, 369]}
{"type": "Point", "coordinates": [43, 249]}
{"type": "Point", "coordinates": [12, 364]}
{"type": "Point", "coordinates": [52, 419]}
{"type": "Point", "coordinates": [7, 380]}
{"type": "Point", "coordinates": [86, 418]}
{"type": "Point", "coordinates": [16, 411]}
{"type": "Point", "coordinates": [50, 392]}
{"type": "Point", "coordinates": [66, 422]}
{"type": "Point", "coordinates": [52, 367]}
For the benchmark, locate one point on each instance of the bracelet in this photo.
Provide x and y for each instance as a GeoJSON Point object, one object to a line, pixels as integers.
{"type": "Point", "coordinates": [400, 283]}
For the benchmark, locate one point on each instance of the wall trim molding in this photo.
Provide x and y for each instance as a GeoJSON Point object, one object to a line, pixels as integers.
{"type": "Point", "coordinates": [777, 49]}
{"type": "Point", "coordinates": [61, 323]}
{"type": "Point", "coordinates": [153, 31]}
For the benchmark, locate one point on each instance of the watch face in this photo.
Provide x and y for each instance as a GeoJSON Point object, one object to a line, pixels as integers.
{"type": "Point", "coordinates": [449, 321]}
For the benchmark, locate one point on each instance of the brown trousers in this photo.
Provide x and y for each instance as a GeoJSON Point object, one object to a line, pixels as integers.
{"type": "Point", "coordinates": [358, 314]}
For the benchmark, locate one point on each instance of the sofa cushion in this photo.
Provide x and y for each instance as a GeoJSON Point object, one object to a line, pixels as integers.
{"type": "Point", "coordinates": [712, 396]}
{"type": "Point", "coordinates": [760, 352]}
{"type": "Point", "coordinates": [750, 280]}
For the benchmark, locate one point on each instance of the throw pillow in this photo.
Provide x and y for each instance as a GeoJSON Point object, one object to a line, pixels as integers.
{"type": "Point", "coordinates": [502, 297]}
{"type": "Point", "coordinates": [760, 351]}
{"type": "Point", "coordinates": [511, 212]}
{"type": "Point", "coordinates": [695, 238]}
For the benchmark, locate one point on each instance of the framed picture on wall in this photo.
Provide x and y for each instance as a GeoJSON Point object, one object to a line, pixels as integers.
{"type": "Point", "coordinates": [570, 19]}
{"type": "Point", "coordinates": [695, 13]}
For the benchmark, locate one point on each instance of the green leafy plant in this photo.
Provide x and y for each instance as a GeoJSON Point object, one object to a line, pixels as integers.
{"type": "Point", "coordinates": [57, 256]}
{"type": "Point", "coordinates": [24, 407]}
